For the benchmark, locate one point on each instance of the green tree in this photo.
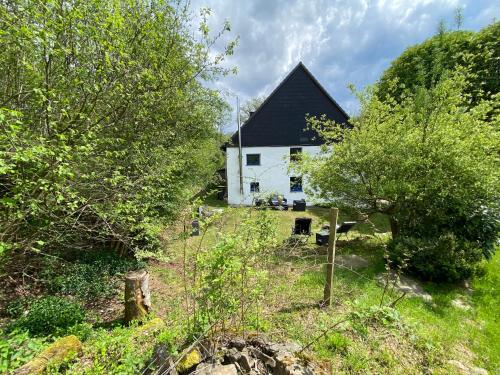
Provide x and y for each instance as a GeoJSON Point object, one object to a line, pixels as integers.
{"type": "Point", "coordinates": [105, 125]}
{"type": "Point", "coordinates": [429, 162]}
{"type": "Point", "coordinates": [250, 106]}
{"type": "Point", "coordinates": [424, 64]}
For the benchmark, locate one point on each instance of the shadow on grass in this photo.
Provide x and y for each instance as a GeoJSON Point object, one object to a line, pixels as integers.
{"type": "Point", "coordinates": [297, 307]}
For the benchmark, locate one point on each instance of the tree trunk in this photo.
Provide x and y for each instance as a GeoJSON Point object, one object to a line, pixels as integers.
{"type": "Point", "coordinates": [394, 227]}
{"type": "Point", "coordinates": [137, 296]}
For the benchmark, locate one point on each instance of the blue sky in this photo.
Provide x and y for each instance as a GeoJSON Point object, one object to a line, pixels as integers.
{"type": "Point", "coordinates": [340, 41]}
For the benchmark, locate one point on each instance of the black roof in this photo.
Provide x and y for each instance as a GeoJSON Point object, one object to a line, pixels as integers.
{"type": "Point", "coordinates": [281, 119]}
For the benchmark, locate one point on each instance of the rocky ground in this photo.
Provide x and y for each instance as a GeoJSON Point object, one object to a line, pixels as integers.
{"type": "Point", "coordinates": [233, 356]}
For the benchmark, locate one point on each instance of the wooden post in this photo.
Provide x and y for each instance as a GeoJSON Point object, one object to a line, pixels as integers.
{"type": "Point", "coordinates": [332, 239]}
{"type": "Point", "coordinates": [137, 295]}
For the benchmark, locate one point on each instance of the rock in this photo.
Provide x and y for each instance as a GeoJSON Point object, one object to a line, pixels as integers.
{"type": "Point", "coordinates": [287, 364]}
{"type": "Point", "coordinates": [233, 355]}
{"type": "Point", "coordinates": [268, 361]}
{"type": "Point", "coordinates": [190, 360]}
{"type": "Point", "coordinates": [216, 369]}
{"type": "Point", "coordinates": [478, 371]}
{"type": "Point", "coordinates": [351, 261]}
{"type": "Point", "coordinates": [246, 362]}
{"type": "Point", "coordinates": [465, 370]}
{"type": "Point", "coordinates": [54, 354]}
{"type": "Point", "coordinates": [460, 304]}
{"type": "Point", "coordinates": [459, 366]}
{"type": "Point", "coordinates": [289, 347]}
{"type": "Point", "coordinates": [237, 343]}
{"type": "Point", "coordinates": [404, 284]}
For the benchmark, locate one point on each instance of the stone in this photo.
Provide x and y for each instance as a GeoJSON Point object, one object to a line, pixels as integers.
{"type": "Point", "coordinates": [246, 362]}
{"type": "Point", "coordinates": [54, 354]}
{"type": "Point", "coordinates": [459, 366]}
{"type": "Point", "coordinates": [237, 343]}
{"type": "Point", "coordinates": [478, 371]}
{"type": "Point", "coordinates": [404, 284]}
{"type": "Point", "coordinates": [216, 369]}
{"type": "Point", "coordinates": [351, 261]}
{"type": "Point", "coordinates": [290, 347]}
{"type": "Point", "coordinates": [460, 304]}
{"type": "Point", "coordinates": [465, 370]}
{"type": "Point", "coordinates": [268, 361]}
{"type": "Point", "coordinates": [233, 355]}
{"type": "Point", "coordinates": [287, 364]}
{"type": "Point", "coordinates": [190, 360]}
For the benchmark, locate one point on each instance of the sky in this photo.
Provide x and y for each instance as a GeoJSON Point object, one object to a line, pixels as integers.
{"type": "Point", "coordinates": [341, 42]}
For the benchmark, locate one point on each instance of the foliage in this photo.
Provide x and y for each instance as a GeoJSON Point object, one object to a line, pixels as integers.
{"type": "Point", "coordinates": [105, 126]}
{"type": "Point", "coordinates": [445, 258]}
{"type": "Point", "coordinates": [119, 351]}
{"type": "Point", "coordinates": [251, 105]}
{"type": "Point", "coordinates": [89, 276]}
{"type": "Point", "coordinates": [229, 278]}
{"type": "Point", "coordinates": [50, 315]}
{"type": "Point", "coordinates": [424, 64]}
{"type": "Point", "coordinates": [17, 348]}
{"type": "Point", "coordinates": [429, 162]}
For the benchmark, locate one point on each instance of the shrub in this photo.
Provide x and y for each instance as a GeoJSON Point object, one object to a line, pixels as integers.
{"type": "Point", "coordinates": [446, 258]}
{"type": "Point", "coordinates": [17, 348]}
{"type": "Point", "coordinates": [50, 315]}
{"type": "Point", "coordinates": [89, 277]}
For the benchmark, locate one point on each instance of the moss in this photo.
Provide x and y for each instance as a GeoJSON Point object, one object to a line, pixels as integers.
{"type": "Point", "coordinates": [55, 354]}
{"type": "Point", "coordinates": [190, 360]}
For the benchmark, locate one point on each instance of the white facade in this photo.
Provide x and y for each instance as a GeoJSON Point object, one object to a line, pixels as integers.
{"type": "Point", "coordinates": [272, 174]}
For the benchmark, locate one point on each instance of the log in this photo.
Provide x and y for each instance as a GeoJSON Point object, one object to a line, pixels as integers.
{"type": "Point", "coordinates": [332, 239]}
{"type": "Point", "coordinates": [137, 295]}
{"type": "Point", "coordinates": [54, 354]}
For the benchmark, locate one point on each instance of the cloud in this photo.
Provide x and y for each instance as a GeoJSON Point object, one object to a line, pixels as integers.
{"type": "Point", "coordinates": [340, 41]}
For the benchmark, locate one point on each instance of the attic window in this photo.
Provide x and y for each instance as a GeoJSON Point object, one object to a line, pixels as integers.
{"type": "Point", "coordinates": [254, 187]}
{"type": "Point", "coordinates": [295, 153]}
{"type": "Point", "coordinates": [253, 159]}
{"type": "Point", "coordinates": [295, 184]}
{"type": "Point", "coordinates": [304, 139]}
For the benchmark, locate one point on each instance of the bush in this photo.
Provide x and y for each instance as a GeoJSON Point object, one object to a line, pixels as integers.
{"type": "Point", "coordinates": [17, 348]}
{"type": "Point", "coordinates": [50, 315]}
{"type": "Point", "coordinates": [446, 258]}
{"type": "Point", "coordinates": [89, 277]}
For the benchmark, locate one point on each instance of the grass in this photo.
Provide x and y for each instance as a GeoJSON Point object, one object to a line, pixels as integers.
{"type": "Point", "coordinates": [416, 337]}
{"type": "Point", "coordinates": [422, 339]}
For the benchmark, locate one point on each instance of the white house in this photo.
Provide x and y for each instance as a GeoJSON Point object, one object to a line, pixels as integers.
{"type": "Point", "coordinates": [273, 136]}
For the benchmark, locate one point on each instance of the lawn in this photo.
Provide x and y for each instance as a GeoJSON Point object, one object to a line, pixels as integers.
{"type": "Point", "coordinates": [415, 337]}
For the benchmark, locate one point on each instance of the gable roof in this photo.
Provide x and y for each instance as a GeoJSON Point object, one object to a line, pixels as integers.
{"type": "Point", "coordinates": [281, 118]}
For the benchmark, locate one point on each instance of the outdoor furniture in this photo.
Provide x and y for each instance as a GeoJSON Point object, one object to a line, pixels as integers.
{"type": "Point", "coordinates": [323, 235]}
{"type": "Point", "coordinates": [299, 205]}
{"type": "Point", "coordinates": [275, 202]}
{"type": "Point", "coordinates": [302, 226]}
{"type": "Point", "coordinates": [195, 228]}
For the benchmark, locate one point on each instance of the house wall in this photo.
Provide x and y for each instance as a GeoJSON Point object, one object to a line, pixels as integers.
{"type": "Point", "coordinates": [272, 174]}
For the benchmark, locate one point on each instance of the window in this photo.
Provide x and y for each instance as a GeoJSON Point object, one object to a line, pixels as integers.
{"type": "Point", "coordinates": [295, 153]}
{"type": "Point", "coordinates": [254, 187]}
{"type": "Point", "coordinates": [253, 159]}
{"type": "Point", "coordinates": [295, 184]}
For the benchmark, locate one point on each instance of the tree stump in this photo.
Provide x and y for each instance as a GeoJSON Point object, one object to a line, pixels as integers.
{"type": "Point", "coordinates": [137, 295]}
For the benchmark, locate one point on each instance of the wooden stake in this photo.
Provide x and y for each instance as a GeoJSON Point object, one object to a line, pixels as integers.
{"type": "Point", "coordinates": [137, 295]}
{"type": "Point", "coordinates": [332, 239]}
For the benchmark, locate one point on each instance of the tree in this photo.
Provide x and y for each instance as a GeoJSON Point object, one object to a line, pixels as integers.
{"type": "Point", "coordinates": [424, 64]}
{"type": "Point", "coordinates": [250, 106]}
{"type": "Point", "coordinates": [105, 126]}
{"type": "Point", "coordinates": [429, 162]}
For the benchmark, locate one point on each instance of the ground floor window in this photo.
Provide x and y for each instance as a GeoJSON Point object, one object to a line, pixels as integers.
{"type": "Point", "coordinates": [254, 187]}
{"type": "Point", "coordinates": [253, 159]}
{"type": "Point", "coordinates": [295, 184]}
